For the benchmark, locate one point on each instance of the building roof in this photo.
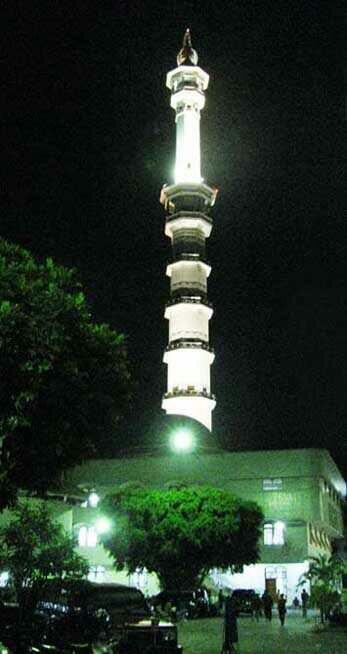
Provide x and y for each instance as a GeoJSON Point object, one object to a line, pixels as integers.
{"type": "Point", "coordinates": [210, 468]}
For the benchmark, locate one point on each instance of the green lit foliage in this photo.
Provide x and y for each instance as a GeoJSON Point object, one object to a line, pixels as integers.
{"type": "Point", "coordinates": [37, 553]}
{"type": "Point", "coordinates": [325, 576]}
{"type": "Point", "coordinates": [65, 378]}
{"type": "Point", "coordinates": [180, 533]}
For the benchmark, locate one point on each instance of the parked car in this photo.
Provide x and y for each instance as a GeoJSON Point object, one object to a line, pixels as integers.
{"type": "Point", "coordinates": [88, 619]}
{"type": "Point", "coordinates": [150, 638]}
{"type": "Point", "coordinates": [18, 633]}
{"type": "Point", "coordinates": [122, 603]}
{"type": "Point", "coordinates": [113, 619]}
{"type": "Point", "coordinates": [184, 604]}
{"type": "Point", "coordinates": [60, 630]}
{"type": "Point", "coordinates": [244, 601]}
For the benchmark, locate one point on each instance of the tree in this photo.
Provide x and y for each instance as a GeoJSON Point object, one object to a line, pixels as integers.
{"type": "Point", "coordinates": [36, 551]}
{"type": "Point", "coordinates": [180, 533]}
{"type": "Point", "coordinates": [324, 575]}
{"type": "Point", "coordinates": [65, 377]}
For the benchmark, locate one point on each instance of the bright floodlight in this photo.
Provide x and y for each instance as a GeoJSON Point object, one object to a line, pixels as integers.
{"type": "Point", "coordinates": [182, 441]}
{"type": "Point", "coordinates": [102, 525]}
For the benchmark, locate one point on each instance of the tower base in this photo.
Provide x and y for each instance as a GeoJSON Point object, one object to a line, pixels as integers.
{"type": "Point", "coordinates": [199, 407]}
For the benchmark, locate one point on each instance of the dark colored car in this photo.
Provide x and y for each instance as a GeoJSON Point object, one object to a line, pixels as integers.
{"type": "Point", "coordinates": [127, 627]}
{"type": "Point", "coordinates": [244, 600]}
{"type": "Point", "coordinates": [90, 618]}
{"type": "Point", "coordinates": [62, 630]}
{"type": "Point", "coordinates": [122, 603]}
{"type": "Point", "coordinates": [15, 632]}
{"type": "Point", "coordinates": [146, 637]}
{"type": "Point", "coordinates": [186, 603]}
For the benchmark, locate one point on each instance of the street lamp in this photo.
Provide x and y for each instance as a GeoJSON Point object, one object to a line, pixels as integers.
{"type": "Point", "coordinates": [102, 525]}
{"type": "Point", "coordinates": [182, 441]}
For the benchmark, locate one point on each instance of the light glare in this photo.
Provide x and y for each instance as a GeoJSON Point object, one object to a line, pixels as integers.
{"type": "Point", "coordinates": [182, 441]}
{"type": "Point", "coordinates": [102, 525]}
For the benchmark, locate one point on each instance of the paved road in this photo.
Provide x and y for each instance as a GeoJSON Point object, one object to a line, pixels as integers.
{"type": "Point", "coordinates": [296, 637]}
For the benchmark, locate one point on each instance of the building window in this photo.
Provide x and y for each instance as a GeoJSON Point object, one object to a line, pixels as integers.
{"type": "Point", "coordinates": [273, 484]}
{"type": "Point", "coordinates": [139, 578]}
{"type": "Point", "coordinates": [274, 533]}
{"type": "Point", "coordinates": [87, 536]}
{"type": "Point", "coordinates": [268, 533]}
{"type": "Point", "coordinates": [96, 573]}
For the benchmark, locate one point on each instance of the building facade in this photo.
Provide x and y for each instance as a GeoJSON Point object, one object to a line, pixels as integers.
{"type": "Point", "coordinates": [301, 493]}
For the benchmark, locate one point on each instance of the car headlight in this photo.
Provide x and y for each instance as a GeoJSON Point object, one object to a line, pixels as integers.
{"type": "Point", "coordinates": [101, 649]}
{"type": "Point", "coordinates": [169, 635]}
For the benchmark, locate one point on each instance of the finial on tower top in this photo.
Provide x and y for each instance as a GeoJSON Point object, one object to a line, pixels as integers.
{"type": "Point", "coordinates": [187, 56]}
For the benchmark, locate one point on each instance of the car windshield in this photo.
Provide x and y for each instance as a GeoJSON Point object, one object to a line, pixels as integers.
{"type": "Point", "coordinates": [130, 601]}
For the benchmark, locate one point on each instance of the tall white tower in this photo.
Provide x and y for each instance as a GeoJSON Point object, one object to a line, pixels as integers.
{"type": "Point", "coordinates": [188, 224]}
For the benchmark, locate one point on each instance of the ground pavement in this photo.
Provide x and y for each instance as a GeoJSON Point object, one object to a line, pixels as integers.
{"type": "Point", "coordinates": [298, 636]}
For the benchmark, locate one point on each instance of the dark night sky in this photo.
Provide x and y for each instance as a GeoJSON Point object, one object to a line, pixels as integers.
{"type": "Point", "coordinates": [88, 140]}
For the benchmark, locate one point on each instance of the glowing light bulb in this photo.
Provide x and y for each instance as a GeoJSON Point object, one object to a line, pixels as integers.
{"type": "Point", "coordinates": [102, 525]}
{"type": "Point", "coordinates": [182, 441]}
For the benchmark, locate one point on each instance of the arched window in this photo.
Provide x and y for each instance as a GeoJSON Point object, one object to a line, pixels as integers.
{"type": "Point", "coordinates": [274, 533]}
{"type": "Point", "coordinates": [268, 533]}
{"type": "Point", "coordinates": [87, 536]}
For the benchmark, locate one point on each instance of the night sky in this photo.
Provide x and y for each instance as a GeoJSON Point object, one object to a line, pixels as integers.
{"type": "Point", "coordinates": [88, 140]}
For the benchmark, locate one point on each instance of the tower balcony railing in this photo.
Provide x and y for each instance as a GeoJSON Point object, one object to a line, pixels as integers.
{"type": "Point", "coordinates": [184, 196]}
{"type": "Point", "coordinates": [192, 257]}
{"type": "Point", "coordinates": [189, 300]}
{"type": "Point", "coordinates": [190, 391]}
{"type": "Point", "coordinates": [197, 215]}
{"type": "Point", "coordinates": [193, 345]}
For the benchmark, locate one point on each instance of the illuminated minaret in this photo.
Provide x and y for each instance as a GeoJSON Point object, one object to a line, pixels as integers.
{"type": "Point", "coordinates": [188, 224]}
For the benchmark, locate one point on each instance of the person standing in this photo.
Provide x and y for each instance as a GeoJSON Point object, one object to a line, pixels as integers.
{"type": "Point", "coordinates": [267, 604]}
{"type": "Point", "coordinates": [304, 602]}
{"type": "Point", "coordinates": [221, 600]}
{"type": "Point", "coordinates": [257, 606]}
{"type": "Point", "coordinates": [281, 605]}
{"type": "Point", "coordinates": [230, 636]}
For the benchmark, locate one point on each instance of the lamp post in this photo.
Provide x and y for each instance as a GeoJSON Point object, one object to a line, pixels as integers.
{"type": "Point", "coordinates": [182, 441]}
{"type": "Point", "coordinates": [102, 525]}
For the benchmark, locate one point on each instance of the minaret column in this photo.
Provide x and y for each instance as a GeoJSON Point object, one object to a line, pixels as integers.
{"type": "Point", "coordinates": [188, 224]}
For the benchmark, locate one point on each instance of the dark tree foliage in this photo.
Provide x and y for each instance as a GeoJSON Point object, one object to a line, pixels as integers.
{"type": "Point", "coordinates": [64, 378]}
{"type": "Point", "coordinates": [180, 533]}
{"type": "Point", "coordinates": [38, 554]}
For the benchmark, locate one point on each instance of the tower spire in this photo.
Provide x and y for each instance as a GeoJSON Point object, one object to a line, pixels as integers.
{"type": "Point", "coordinates": [187, 56]}
{"type": "Point", "coordinates": [188, 224]}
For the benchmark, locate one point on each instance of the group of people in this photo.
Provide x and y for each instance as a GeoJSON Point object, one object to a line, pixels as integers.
{"type": "Point", "coordinates": [304, 602]}
{"type": "Point", "coordinates": [260, 604]}
{"type": "Point", "coordinates": [267, 603]}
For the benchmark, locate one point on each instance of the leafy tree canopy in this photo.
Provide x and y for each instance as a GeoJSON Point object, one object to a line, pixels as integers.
{"type": "Point", "coordinates": [65, 378]}
{"type": "Point", "coordinates": [325, 576]}
{"type": "Point", "coordinates": [180, 533]}
{"type": "Point", "coordinates": [36, 551]}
